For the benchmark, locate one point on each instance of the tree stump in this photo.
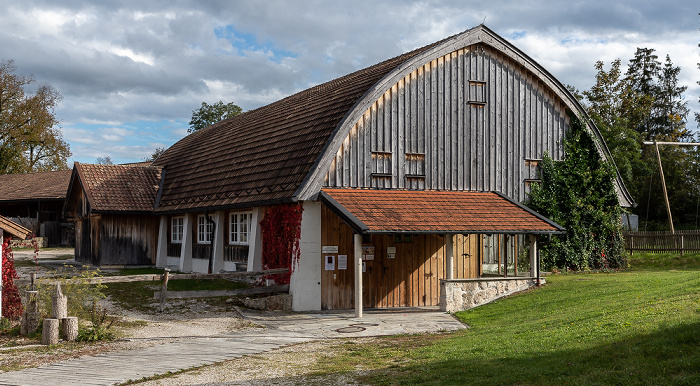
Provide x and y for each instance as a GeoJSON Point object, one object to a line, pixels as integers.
{"type": "Point", "coordinates": [49, 335]}
{"type": "Point", "coordinates": [31, 317]}
{"type": "Point", "coordinates": [59, 306]}
{"type": "Point", "coordinates": [69, 328]}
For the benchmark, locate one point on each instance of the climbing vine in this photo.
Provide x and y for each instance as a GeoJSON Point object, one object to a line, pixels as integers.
{"type": "Point", "coordinates": [579, 194]}
{"type": "Point", "coordinates": [281, 231]}
{"type": "Point", "coordinates": [11, 301]}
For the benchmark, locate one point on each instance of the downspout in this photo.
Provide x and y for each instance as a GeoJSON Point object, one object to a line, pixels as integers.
{"type": "Point", "coordinates": [211, 242]}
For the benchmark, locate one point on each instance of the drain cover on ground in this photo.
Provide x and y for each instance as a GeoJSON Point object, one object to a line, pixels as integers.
{"type": "Point", "coordinates": [357, 327]}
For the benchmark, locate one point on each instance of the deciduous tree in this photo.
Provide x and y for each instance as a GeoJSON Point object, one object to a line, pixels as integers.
{"type": "Point", "coordinates": [208, 115]}
{"type": "Point", "coordinates": [30, 139]}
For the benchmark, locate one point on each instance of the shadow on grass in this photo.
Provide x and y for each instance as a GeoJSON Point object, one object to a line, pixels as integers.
{"type": "Point", "coordinates": [671, 355]}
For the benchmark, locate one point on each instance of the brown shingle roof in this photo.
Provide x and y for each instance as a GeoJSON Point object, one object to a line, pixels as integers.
{"type": "Point", "coordinates": [263, 155]}
{"type": "Point", "coordinates": [119, 188]}
{"type": "Point", "coordinates": [411, 211]}
{"type": "Point", "coordinates": [33, 186]}
{"type": "Point", "coordinates": [14, 229]}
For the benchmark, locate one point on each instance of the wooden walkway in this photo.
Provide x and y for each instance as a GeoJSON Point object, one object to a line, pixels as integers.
{"type": "Point", "coordinates": [282, 329]}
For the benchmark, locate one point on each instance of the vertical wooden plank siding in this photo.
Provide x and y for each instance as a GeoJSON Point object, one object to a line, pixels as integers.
{"type": "Point", "coordinates": [425, 133]}
{"type": "Point", "coordinates": [410, 279]}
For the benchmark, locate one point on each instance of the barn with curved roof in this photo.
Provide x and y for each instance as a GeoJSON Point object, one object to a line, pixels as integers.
{"type": "Point", "coordinates": [410, 174]}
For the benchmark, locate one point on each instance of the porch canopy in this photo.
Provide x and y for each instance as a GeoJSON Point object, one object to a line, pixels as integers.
{"type": "Point", "coordinates": [373, 211]}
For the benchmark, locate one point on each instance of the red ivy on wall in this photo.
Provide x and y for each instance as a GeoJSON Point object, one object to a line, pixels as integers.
{"type": "Point", "coordinates": [11, 301]}
{"type": "Point", "coordinates": [281, 231]}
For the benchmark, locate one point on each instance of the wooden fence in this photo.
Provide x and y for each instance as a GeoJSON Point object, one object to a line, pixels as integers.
{"type": "Point", "coordinates": [660, 242]}
{"type": "Point", "coordinates": [163, 294]}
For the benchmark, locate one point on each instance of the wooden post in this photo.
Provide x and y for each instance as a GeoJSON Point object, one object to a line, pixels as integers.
{"type": "Point", "coordinates": [164, 290]}
{"type": "Point", "coordinates": [69, 328]}
{"type": "Point", "coordinates": [663, 184]}
{"type": "Point", "coordinates": [31, 316]}
{"type": "Point", "coordinates": [32, 279]}
{"type": "Point", "coordinates": [449, 252]}
{"type": "Point", "coordinates": [515, 254]}
{"type": "Point", "coordinates": [49, 335]}
{"type": "Point", "coordinates": [358, 274]}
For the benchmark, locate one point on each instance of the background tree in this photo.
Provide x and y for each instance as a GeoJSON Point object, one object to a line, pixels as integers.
{"type": "Point", "coordinates": [208, 115]}
{"type": "Point", "coordinates": [156, 153]}
{"type": "Point", "coordinates": [107, 160]}
{"type": "Point", "coordinates": [647, 104]}
{"type": "Point", "coordinates": [30, 139]}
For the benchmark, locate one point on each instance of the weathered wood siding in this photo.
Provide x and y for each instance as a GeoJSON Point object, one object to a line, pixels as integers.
{"type": "Point", "coordinates": [128, 239]}
{"type": "Point", "coordinates": [470, 120]}
{"type": "Point", "coordinates": [410, 279]}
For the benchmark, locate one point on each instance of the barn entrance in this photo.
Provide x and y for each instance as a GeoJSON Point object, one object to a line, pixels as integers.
{"type": "Point", "coordinates": [410, 240]}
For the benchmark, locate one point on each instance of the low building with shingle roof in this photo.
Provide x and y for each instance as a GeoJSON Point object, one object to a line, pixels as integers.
{"type": "Point", "coordinates": [408, 174]}
{"type": "Point", "coordinates": [35, 200]}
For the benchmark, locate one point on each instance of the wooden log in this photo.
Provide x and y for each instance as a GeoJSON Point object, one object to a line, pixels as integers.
{"type": "Point", "coordinates": [208, 294]}
{"type": "Point", "coordinates": [69, 328]}
{"type": "Point", "coordinates": [59, 304]}
{"type": "Point", "coordinates": [49, 335]}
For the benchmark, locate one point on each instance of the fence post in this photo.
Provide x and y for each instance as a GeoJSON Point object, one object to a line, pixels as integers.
{"type": "Point", "coordinates": [682, 245]}
{"type": "Point", "coordinates": [164, 289]}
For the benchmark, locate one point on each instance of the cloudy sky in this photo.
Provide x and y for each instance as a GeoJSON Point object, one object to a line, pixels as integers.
{"type": "Point", "coordinates": [131, 72]}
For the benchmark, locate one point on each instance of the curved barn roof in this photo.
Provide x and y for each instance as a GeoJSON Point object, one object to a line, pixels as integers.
{"type": "Point", "coordinates": [282, 151]}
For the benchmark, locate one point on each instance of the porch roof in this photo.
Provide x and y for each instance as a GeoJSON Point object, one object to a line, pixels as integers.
{"type": "Point", "coordinates": [413, 211]}
{"type": "Point", "coordinates": [13, 229]}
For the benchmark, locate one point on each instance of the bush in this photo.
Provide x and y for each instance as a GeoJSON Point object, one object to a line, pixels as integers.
{"type": "Point", "coordinates": [100, 326]}
{"type": "Point", "coordinates": [579, 194]}
{"type": "Point", "coordinates": [11, 301]}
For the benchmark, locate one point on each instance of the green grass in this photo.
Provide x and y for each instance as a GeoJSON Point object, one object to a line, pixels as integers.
{"type": "Point", "coordinates": [641, 326]}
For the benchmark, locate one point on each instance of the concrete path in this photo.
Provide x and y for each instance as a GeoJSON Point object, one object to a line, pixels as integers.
{"type": "Point", "coordinates": [281, 329]}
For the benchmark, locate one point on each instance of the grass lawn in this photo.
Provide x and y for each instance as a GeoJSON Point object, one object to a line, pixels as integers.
{"type": "Point", "coordinates": [641, 326]}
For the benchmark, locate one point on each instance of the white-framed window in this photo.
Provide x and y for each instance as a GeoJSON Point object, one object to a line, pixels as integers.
{"type": "Point", "coordinates": [239, 228]}
{"type": "Point", "coordinates": [177, 228]}
{"type": "Point", "coordinates": [204, 230]}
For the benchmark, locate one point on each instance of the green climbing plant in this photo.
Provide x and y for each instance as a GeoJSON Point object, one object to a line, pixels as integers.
{"type": "Point", "coordinates": [579, 194]}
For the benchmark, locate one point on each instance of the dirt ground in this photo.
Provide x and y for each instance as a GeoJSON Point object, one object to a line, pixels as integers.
{"type": "Point", "coordinates": [136, 329]}
{"type": "Point", "coordinates": [133, 329]}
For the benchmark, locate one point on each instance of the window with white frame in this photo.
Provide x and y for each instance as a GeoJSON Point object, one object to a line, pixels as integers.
{"type": "Point", "coordinates": [204, 230]}
{"type": "Point", "coordinates": [177, 228]}
{"type": "Point", "coordinates": [239, 228]}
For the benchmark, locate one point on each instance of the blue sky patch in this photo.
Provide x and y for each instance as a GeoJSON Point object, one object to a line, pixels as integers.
{"type": "Point", "coordinates": [249, 42]}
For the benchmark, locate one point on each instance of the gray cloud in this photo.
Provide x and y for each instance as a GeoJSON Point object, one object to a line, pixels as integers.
{"type": "Point", "coordinates": [120, 62]}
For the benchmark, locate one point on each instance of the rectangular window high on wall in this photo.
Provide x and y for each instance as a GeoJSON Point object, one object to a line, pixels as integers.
{"type": "Point", "coordinates": [177, 227]}
{"type": "Point", "coordinates": [239, 228]}
{"type": "Point", "coordinates": [204, 230]}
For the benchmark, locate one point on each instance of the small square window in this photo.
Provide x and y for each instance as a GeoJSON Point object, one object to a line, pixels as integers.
{"type": "Point", "coordinates": [177, 227]}
{"type": "Point", "coordinates": [204, 230]}
{"type": "Point", "coordinates": [240, 224]}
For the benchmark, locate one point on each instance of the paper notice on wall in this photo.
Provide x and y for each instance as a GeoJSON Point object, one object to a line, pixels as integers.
{"type": "Point", "coordinates": [330, 262]}
{"type": "Point", "coordinates": [343, 262]}
{"type": "Point", "coordinates": [364, 267]}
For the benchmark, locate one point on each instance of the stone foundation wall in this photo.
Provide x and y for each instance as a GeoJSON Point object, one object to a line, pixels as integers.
{"type": "Point", "coordinates": [463, 294]}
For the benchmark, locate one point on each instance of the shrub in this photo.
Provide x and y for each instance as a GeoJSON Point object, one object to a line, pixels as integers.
{"type": "Point", "coordinates": [579, 194]}
{"type": "Point", "coordinates": [100, 326]}
{"type": "Point", "coordinates": [11, 301]}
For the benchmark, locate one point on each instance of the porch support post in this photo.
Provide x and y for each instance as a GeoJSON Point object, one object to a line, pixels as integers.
{"type": "Point", "coordinates": [534, 261]}
{"type": "Point", "coordinates": [449, 256]}
{"type": "Point", "coordinates": [162, 251]}
{"type": "Point", "coordinates": [218, 242]}
{"type": "Point", "coordinates": [186, 250]}
{"type": "Point", "coordinates": [357, 242]}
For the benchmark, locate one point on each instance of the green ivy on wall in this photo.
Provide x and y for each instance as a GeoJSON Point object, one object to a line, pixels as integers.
{"type": "Point", "coordinates": [579, 194]}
